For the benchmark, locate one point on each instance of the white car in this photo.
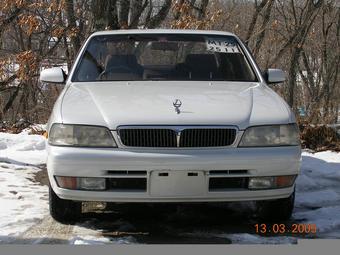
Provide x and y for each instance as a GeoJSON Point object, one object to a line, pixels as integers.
{"type": "Point", "coordinates": [170, 116]}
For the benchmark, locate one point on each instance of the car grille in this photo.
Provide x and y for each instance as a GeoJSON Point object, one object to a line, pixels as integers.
{"type": "Point", "coordinates": [148, 137]}
{"type": "Point", "coordinates": [186, 137]}
{"type": "Point", "coordinates": [207, 137]}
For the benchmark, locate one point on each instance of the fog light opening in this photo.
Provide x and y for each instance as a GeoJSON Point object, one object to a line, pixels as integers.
{"type": "Point", "coordinates": [261, 183]}
{"type": "Point", "coordinates": [92, 183]}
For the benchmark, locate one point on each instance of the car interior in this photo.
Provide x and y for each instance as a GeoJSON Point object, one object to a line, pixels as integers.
{"type": "Point", "coordinates": [165, 62]}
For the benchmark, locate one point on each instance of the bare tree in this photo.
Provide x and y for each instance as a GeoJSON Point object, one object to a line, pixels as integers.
{"type": "Point", "coordinates": [300, 36]}
{"type": "Point", "coordinates": [297, 41]}
{"type": "Point", "coordinates": [259, 7]}
{"type": "Point", "coordinates": [265, 20]}
{"type": "Point", "coordinates": [319, 68]}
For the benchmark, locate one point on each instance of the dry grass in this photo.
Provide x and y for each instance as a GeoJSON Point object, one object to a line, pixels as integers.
{"type": "Point", "coordinates": [319, 137]}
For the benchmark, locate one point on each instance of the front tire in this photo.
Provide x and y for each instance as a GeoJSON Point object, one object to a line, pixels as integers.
{"type": "Point", "coordinates": [276, 210]}
{"type": "Point", "coordinates": [63, 210]}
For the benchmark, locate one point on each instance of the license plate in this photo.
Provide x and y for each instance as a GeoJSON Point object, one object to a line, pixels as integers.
{"type": "Point", "coordinates": [177, 183]}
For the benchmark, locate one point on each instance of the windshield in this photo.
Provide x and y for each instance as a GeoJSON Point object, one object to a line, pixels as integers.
{"type": "Point", "coordinates": [163, 57]}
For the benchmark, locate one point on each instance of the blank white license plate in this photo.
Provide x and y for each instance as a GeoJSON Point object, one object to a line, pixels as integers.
{"type": "Point", "coordinates": [177, 183]}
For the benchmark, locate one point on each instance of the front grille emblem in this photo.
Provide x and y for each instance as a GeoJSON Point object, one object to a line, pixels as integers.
{"type": "Point", "coordinates": [178, 138]}
{"type": "Point", "coordinates": [177, 104]}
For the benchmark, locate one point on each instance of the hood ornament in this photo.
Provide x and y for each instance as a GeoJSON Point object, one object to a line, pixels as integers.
{"type": "Point", "coordinates": [177, 104]}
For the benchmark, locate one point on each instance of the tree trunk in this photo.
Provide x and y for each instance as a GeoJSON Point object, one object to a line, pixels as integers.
{"type": "Point", "coordinates": [265, 21]}
{"type": "Point", "coordinates": [202, 9]}
{"type": "Point", "coordinates": [136, 11]}
{"type": "Point", "coordinates": [156, 20]}
{"type": "Point", "coordinates": [292, 75]}
{"type": "Point", "coordinates": [71, 18]}
{"type": "Point", "coordinates": [124, 14]}
{"type": "Point", "coordinates": [105, 15]}
{"type": "Point", "coordinates": [258, 9]}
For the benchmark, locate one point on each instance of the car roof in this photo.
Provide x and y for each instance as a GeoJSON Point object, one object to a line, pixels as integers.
{"type": "Point", "coordinates": [162, 31]}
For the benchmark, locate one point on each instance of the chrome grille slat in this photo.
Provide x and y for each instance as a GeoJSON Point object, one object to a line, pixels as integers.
{"type": "Point", "coordinates": [167, 136]}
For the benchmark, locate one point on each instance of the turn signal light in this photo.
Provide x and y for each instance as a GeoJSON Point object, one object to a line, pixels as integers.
{"type": "Point", "coordinates": [285, 181]}
{"type": "Point", "coordinates": [66, 182]}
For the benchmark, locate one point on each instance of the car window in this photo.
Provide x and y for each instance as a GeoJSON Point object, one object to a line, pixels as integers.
{"type": "Point", "coordinates": [163, 57]}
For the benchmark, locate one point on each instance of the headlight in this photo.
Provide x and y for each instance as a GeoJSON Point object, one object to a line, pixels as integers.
{"type": "Point", "coordinates": [278, 135]}
{"type": "Point", "coordinates": [80, 136]}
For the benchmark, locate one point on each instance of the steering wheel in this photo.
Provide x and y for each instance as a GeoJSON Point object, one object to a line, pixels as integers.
{"type": "Point", "coordinates": [115, 69]}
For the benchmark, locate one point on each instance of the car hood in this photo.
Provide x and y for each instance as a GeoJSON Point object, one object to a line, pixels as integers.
{"type": "Point", "coordinates": [113, 104]}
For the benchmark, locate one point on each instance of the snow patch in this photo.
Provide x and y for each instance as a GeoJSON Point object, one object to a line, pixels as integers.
{"type": "Point", "coordinates": [246, 238]}
{"type": "Point", "coordinates": [23, 202]}
{"type": "Point", "coordinates": [326, 218]}
{"type": "Point", "coordinates": [22, 149]}
{"type": "Point", "coordinates": [90, 240]}
{"type": "Point", "coordinates": [317, 198]}
{"type": "Point", "coordinates": [318, 191]}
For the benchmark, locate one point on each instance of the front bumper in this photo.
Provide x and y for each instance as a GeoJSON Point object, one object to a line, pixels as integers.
{"type": "Point", "coordinates": [89, 162]}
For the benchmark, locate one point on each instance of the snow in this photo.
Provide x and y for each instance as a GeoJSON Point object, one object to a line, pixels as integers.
{"type": "Point", "coordinates": [318, 188]}
{"type": "Point", "coordinates": [34, 127]}
{"type": "Point", "coordinates": [90, 240]}
{"type": "Point", "coordinates": [326, 218]}
{"type": "Point", "coordinates": [85, 235]}
{"type": "Point", "coordinates": [22, 149]}
{"type": "Point", "coordinates": [255, 239]}
{"type": "Point", "coordinates": [244, 238]}
{"type": "Point", "coordinates": [25, 202]}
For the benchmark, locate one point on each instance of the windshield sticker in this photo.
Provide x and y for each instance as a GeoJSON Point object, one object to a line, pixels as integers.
{"type": "Point", "coordinates": [223, 46]}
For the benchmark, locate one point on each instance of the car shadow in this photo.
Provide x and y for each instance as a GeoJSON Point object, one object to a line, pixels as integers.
{"type": "Point", "coordinates": [177, 223]}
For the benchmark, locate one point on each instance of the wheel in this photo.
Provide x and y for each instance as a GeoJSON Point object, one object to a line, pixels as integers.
{"type": "Point", "coordinates": [276, 210]}
{"type": "Point", "coordinates": [63, 210]}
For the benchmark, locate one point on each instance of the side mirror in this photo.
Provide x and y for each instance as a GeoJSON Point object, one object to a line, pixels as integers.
{"type": "Point", "coordinates": [53, 75]}
{"type": "Point", "coordinates": [274, 76]}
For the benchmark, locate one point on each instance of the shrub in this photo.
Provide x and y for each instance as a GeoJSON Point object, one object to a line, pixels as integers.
{"type": "Point", "coordinates": [319, 137]}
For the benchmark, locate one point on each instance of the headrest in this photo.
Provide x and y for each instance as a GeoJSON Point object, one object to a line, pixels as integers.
{"type": "Point", "coordinates": [201, 61]}
{"type": "Point", "coordinates": [121, 60]}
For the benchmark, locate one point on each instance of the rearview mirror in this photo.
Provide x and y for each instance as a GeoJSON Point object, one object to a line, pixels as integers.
{"type": "Point", "coordinates": [170, 46]}
{"type": "Point", "coordinates": [53, 75]}
{"type": "Point", "coordinates": [274, 76]}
